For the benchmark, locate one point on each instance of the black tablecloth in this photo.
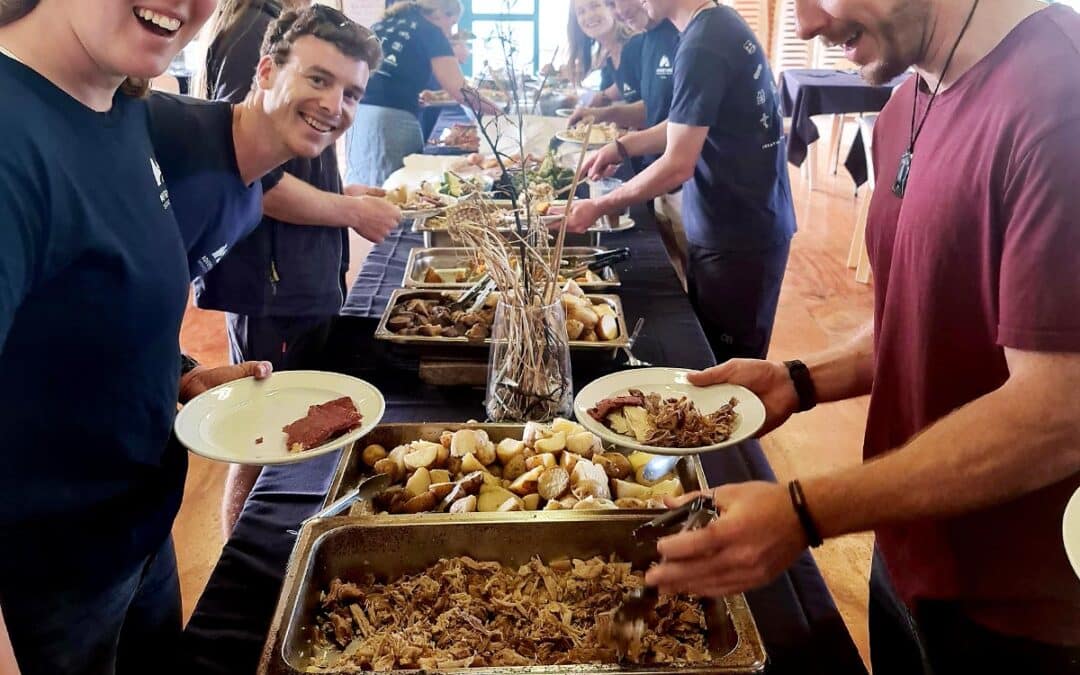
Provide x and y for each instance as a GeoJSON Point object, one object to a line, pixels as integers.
{"type": "Point", "coordinates": [856, 162]}
{"type": "Point", "coordinates": [802, 630]}
{"type": "Point", "coordinates": [805, 93]}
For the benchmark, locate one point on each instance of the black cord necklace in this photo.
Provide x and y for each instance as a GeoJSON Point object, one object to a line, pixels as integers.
{"type": "Point", "coordinates": [899, 187]}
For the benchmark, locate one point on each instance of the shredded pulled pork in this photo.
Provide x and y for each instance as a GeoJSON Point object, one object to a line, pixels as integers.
{"type": "Point", "coordinates": [461, 613]}
{"type": "Point", "coordinates": [666, 423]}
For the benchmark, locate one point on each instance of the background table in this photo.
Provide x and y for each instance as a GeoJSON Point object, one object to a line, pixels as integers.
{"type": "Point", "coordinates": [805, 93]}
{"type": "Point", "coordinates": [801, 627]}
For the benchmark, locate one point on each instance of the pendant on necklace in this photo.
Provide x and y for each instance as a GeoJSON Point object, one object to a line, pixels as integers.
{"type": "Point", "coordinates": [900, 185]}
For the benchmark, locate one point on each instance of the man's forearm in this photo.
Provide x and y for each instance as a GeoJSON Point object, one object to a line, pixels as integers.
{"type": "Point", "coordinates": [1007, 443]}
{"type": "Point", "coordinates": [294, 201]}
{"type": "Point", "coordinates": [651, 141]}
{"type": "Point", "coordinates": [627, 115]}
{"type": "Point", "coordinates": [660, 178]}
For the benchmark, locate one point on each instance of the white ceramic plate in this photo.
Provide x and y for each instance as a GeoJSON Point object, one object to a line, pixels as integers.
{"type": "Point", "coordinates": [223, 424]}
{"type": "Point", "coordinates": [625, 223]}
{"type": "Point", "coordinates": [1070, 531]}
{"type": "Point", "coordinates": [564, 112]}
{"type": "Point", "coordinates": [594, 142]}
{"type": "Point", "coordinates": [670, 383]}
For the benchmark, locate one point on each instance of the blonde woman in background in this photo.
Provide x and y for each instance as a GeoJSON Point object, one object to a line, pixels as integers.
{"type": "Point", "coordinates": [416, 47]}
{"type": "Point", "coordinates": [596, 41]}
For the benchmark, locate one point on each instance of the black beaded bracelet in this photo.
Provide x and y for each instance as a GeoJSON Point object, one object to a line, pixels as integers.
{"type": "Point", "coordinates": [798, 501]}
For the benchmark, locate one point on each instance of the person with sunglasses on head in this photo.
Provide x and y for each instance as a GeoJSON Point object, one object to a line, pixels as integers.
{"type": "Point", "coordinates": [972, 361]}
{"type": "Point", "coordinates": [649, 74]}
{"type": "Point", "coordinates": [281, 286]}
{"type": "Point", "coordinates": [723, 142]}
{"type": "Point", "coordinates": [416, 46]}
{"type": "Point", "coordinates": [93, 287]}
{"type": "Point", "coordinates": [313, 64]}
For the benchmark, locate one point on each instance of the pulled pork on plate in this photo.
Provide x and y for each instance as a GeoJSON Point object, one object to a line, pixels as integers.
{"type": "Point", "coordinates": [665, 423]}
{"type": "Point", "coordinates": [461, 613]}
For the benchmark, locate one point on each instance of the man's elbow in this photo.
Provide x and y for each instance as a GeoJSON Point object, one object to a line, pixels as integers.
{"type": "Point", "coordinates": [681, 167]}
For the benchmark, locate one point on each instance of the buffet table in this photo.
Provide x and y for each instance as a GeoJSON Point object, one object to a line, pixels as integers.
{"type": "Point", "coordinates": [801, 627]}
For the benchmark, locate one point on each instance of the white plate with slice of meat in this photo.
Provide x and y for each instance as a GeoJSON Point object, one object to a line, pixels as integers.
{"type": "Point", "coordinates": [293, 416]}
{"type": "Point", "coordinates": [658, 411]}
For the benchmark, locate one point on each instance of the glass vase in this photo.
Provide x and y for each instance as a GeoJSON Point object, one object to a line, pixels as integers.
{"type": "Point", "coordinates": [529, 376]}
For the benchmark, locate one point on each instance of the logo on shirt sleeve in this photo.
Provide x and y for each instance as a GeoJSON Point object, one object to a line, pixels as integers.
{"type": "Point", "coordinates": [664, 69]}
{"type": "Point", "coordinates": [163, 195]}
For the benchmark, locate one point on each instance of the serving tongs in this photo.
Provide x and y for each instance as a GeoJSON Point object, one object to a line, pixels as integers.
{"type": "Point", "coordinates": [595, 262]}
{"type": "Point", "coordinates": [475, 296]}
{"type": "Point", "coordinates": [630, 616]}
{"type": "Point", "coordinates": [368, 489]}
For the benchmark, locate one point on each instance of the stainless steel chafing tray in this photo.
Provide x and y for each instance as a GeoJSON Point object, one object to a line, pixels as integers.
{"type": "Point", "coordinates": [351, 468]}
{"type": "Point", "coordinates": [402, 294]}
{"type": "Point", "coordinates": [446, 259]}
{"type": "Point", "coordinates": [389, 548]}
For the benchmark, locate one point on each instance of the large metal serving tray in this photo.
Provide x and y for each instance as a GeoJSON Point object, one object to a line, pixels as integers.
{"type": "Point", "coordinates": [351, 468]}
{"type": "Point", "coordinates": [402, 294]}
{"type": "Point", "coordinates": [421, 259]}
{"type": "Point", "coordinates": [389, 548]}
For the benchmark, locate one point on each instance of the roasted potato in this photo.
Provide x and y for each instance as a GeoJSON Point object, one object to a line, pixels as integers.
{"type": "Point", "coordinates": [574, 329]}
{"type": "Point", "coordinates": [631, 503]}
{"type": "Point", "coordinates": [421, 503]}
{"type": "Point", "coordinates": [526, 483]}
{"type": "Point", "coordinates": [390, 468]}
{"type": "Point", "coordinates": [555, 444]}
{"type": "Point", "coordinates": [545, 460]}
{"type": "Point", "coordinates": [440, 476]}
{"type": "Point", "coordinates": [614, 464]}
{"type": "Point", "coordinates": [491, 498]}
{"type": "Point", "coordinates": [470, 463]}
{"type": "Point", "coordinates": [418, 483]}
{"type": "Point", "coordinates": [582, 443]}
{"type": "Point", "coordinates": [627, 490]}
{"type": "Point", "coordinates": [531, 502]}
{"type": "Point", "coordinates": [472, 483]}
{"type": "Point", "coordinates": [464, 505]}
{"type": "Point", "coordinates": [668, 488]}
{"type": "Point", "coordinates": [515, 467]}
{"type": "Point", "coordinates": [373, 453]}
{"type": "Point", "coordinates": [608, 327]}
{"type": "Point", "coordinates": [510, 505]}
{"type": "Point", "coordinates": [553, 483]}
{"type": "Point", "coordinates": [441, 490]}
{"type": "Point", "coordinates": [508, 448]}
{"type": "Point", "coordinates": [422, 455]}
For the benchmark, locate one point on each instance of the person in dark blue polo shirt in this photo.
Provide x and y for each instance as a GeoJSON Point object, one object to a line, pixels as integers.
{"type": "Point", "coordinates": [93, 286]}
{"type": "Point", "coordinates": [415, 41]}
{"type": "Point", "coordinates": [650, 78]}
{"type": "Point", "coordinates": [724, 142]}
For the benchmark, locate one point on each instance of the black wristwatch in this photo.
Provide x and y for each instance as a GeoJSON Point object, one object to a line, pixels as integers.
{"type": "Point", "coordinates": [622, 150]}
{"type": "Point", "coordinates": [187, 364]}
{"type": "Point", "coordinates": [804, 384]}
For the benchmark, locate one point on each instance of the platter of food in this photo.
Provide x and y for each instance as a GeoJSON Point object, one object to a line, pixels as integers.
{"type": "Point", "coordinates": [430, 318]}
{"type": "Point", "coordinates": [292, 416]}
{"type": "Point", "coordinates": [425, 200]}
{"type": "Point", "coordinates": [437, 97]}
{"type": "Point", "coordinates": [452, 268]}
{"type": "Point", "coordinates": [657, 410]}
{"type": "Point", "coordinates": [633, 489]}
{"type": "Point", "coordinates": [446, 594]}
{"type": "Point", "coordinates": [601, 134]}
{"type": "Point", "coordinates": [464, 137]}
{"type": "Point", "coordinates": [468, 469]}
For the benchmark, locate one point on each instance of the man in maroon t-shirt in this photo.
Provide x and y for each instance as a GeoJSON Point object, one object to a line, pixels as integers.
{"type": "Point", "coordinates": [972, 362]}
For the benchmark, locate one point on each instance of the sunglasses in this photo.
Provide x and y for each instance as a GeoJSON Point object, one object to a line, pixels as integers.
{"type": "Point", "coordinates": [340, 20]}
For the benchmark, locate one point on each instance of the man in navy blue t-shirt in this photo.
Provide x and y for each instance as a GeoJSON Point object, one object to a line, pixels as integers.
{"type": "Point", "coordinates": [723, 141]}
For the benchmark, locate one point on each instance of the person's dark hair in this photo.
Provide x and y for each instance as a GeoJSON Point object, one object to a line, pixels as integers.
{"type": "Point", "coordinates": [325, 23]}
{"type": "Point", "coordinates": [13, 10]}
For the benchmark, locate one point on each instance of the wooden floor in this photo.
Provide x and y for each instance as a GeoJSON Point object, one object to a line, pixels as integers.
{"type": "Point", "coordinates": [820, 305]}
